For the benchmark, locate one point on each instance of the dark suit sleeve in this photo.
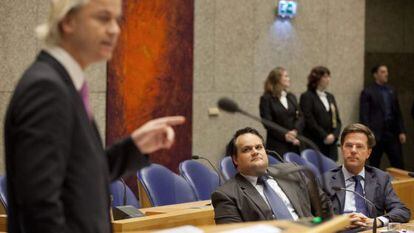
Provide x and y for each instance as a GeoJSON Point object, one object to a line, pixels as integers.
{"type": "Point", "coordinates": [43, 122]}
{"type": "Point", "coordinates": [225, 209]}
{"type": "Point", "coordinates": [337, 130]}
{"type": "Point", "coordinates": [395, 210]}
{"type": "Point", "coordinates": [306, 103]}
{"type": "Point", "coordinates": [364, 107]}
{"type": "Point", "coordinates": [400, 120]}
{"type": "Point", "coordinates": [124, 158]}
{"type": "Point", "coordinates": [265, 113]}
{"type": "Point", "coordinates": [300, 122]}
{"type": "Point", "coordinates": [319, 196]}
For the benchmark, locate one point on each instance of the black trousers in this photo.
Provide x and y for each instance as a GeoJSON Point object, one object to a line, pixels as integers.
{"type": "Point", "coordinates": [390, 145]}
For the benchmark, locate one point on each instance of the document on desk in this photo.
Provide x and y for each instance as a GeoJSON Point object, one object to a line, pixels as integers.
{"type": "Point", "coordinates": [182, 229]}
{"type": "Point", "coordinates": [262, 228]}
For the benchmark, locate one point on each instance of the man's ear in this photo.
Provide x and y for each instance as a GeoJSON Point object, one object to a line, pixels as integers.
{"type": "Point", "coordinates": [369, 152]}
{"type": "Point", "coordinates": [67, 25]}
{"type": "Point", "coordinates": [234, 159]}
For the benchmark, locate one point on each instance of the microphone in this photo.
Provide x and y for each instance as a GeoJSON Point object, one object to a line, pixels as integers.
{"type": "Point", "coordinates": [277, 155]}
{"type": "Point", "coordinates": [374, 225]}
{"type": "Point", "coordinates": [124, 197]}
{"type": "Point", "coordinates": [313, 189]}
{"type": "Point", "coordinates": [230, 106]}
{"type": "Point", "coordinates": [211, 164]}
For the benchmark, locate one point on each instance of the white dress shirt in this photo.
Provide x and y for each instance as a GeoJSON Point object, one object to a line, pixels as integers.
{"type": "Point", "coordinates": [283, 99]}
{"type": "Point", "coordinates": [70, 64]}
{"type": "Point", "coordinates": [349, 206]}
{"type": "Point", "coordinates": [324, 99]}
{"type": "Point", "coordinates": [275, 186]}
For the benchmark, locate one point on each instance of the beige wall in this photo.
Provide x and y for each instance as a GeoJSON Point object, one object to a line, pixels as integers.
{"type": "Point", "coordinates": [237, 42]}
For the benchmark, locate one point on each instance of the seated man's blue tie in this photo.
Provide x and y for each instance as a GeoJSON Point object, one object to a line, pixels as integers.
{"type": "Point", "coordinates": [360, 204]}
{"type": "Point", "coordinates": [276, 203]}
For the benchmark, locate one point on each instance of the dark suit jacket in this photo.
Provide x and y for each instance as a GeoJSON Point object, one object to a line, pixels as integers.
{"type": "Point", "coordinates": [58, 173]}
{"type": "Point", "coordinates": [238, 201]}
{"type": "Point", "coordinates": [272, 109]}
{"type": "Point", "coordinates": [378, 189]}
{"type": "Point", "coordinates": [318, 122]}
{"type": "Point", "coordinates": [372, 111]}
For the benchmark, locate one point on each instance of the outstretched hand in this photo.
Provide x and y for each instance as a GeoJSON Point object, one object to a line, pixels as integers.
{"type": "Point", "coordinates": [156, 134]}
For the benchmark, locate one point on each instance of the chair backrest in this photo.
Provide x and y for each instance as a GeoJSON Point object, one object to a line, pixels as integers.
{"type": "Point", "coordinates": [312, 157]}
{"type": "Point", "coordinates": [122, 194]}
{"type": "Point", "coordinates": [272, 160]}
{"type": "Point", "coordinates": [164, 187]}
{"type": "Point", "coordinates": [202, 180]}
{"type": "Point", "coordinates": [229, 171]}
{"type": "Point", "coordinates": [292, 157]}
{"type": "Point", "coordinates": [227, 168]}
{"type": "Point", "coordinates": [3, 192]}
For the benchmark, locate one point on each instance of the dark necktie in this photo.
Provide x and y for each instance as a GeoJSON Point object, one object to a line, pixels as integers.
{"type": "Point", "coordinates": [360, 204]}
{"type": "Point", "coordinates": [276, 203]}
{"type": "Point", "coordinates": [84, 92]}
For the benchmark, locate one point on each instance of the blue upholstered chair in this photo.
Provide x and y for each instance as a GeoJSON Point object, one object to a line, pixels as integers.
{"type": "Point", "coordinates": [3, 192]}
{"type": "Point", "coordinates": [229, 171]}
{"type": "Point", "coordinates": [164, 187]}
{"type": "Point", "coordinates": [292, 157]}
{"type": "Point", "coordinates": [202, 180]}
{"type": "Point", "coordinates": [227, 168]}
{"type": "Point", "coordinates": [122, 194]}
{"type": "Point", "coordinates": [312, 157]}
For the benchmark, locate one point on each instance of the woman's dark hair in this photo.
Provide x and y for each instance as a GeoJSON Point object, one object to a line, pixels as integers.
{"type": "Point", "coordinates": [315, 76]}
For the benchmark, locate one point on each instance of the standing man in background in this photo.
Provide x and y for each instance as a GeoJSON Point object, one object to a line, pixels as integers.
{"type": "Point", "coordinates": [58, 172]}
{"type": "Point", "coordinates": [380, 111]}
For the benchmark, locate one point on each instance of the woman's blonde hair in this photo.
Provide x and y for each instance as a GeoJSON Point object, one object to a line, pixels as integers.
{"type": "Point", "coordinates": [50, 31]}
{"type": "Point", "coordinates": [271, 84]}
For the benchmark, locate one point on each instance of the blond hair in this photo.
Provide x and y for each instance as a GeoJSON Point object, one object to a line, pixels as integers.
{"type": "Point", "coordinates": [50, 31]}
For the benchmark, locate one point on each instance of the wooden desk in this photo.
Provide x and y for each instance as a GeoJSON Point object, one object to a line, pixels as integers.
{"type": "Point", "coordinates": [405, 189]}
{"type": "Point", "coordinates": [192, 213]}
{"type": "Point", "coordinates": [331, 226]}
{"type": "Point", "coordinates": [398, 174]}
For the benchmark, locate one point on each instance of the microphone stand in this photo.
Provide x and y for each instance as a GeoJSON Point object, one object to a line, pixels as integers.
{"type": "Point", "coordinates": [221, 179]}
{"type": "Point", "coordinates": [374, 224]}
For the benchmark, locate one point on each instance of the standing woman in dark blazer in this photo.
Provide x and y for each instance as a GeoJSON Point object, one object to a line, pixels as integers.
{"type": "Point", "coordinates": [322, 121]}
{"type": "Point", "coordinates": [281, 107]}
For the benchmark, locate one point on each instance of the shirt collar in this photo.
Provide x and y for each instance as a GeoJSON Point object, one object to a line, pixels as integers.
{"type": "Point", "coordinates": [320, 93]}
{"type": "Point", "coordinates": [70, 64]}
{"type": "Point", "coordinates": [251, 179]}
{"type": "Point", "coordinates": [348, 175]}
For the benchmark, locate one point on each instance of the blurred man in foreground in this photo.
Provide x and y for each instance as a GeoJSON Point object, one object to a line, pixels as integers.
{"type": "Point", "coordinates": [58, 172]}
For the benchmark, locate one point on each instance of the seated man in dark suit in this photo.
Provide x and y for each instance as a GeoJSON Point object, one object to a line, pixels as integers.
{"type": "Point", "coordinates": [255, 193]}
{"type": "Point", "coordinates": [357, 141]}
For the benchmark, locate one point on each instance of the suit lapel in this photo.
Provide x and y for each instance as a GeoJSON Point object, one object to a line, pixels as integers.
{"type": "Point", "coordinates": [253, 195]}
{"type": "Point", "coordinates": [291, 194]}
{"type": "Point", "coordinates": [78, 102]}
{"type": "Point", "coordinates": [338, 180]}
{"type": "Point", "coordinates": [370, 187]}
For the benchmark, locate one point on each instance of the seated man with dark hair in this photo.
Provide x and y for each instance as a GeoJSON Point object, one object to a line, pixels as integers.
{"type": "Point", "coordinates": [357, 142]}
{"type": "Point", "coordinates": [256, 193]}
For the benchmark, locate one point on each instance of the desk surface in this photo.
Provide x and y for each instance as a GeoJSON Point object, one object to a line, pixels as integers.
{"type": "Point", "coordinates": [193, 213]}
